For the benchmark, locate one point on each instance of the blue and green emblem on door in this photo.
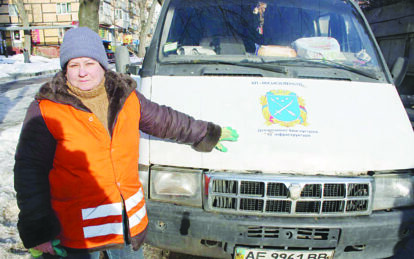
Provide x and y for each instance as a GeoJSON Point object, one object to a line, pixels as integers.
{"type": "Point", "coordinates": [284, 108]}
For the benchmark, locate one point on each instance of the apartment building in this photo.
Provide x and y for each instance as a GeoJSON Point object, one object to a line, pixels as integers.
{"type": "Point", "coordinates": [49, 19]}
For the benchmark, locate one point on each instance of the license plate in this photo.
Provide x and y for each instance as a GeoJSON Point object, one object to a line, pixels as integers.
{"type": "Point", "coordinates": [247, 253]}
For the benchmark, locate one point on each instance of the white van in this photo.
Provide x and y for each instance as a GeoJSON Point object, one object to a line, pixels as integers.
{"type": "Point", "coordinates": [323, 167]}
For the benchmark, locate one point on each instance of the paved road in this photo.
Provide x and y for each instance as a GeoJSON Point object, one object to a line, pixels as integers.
{"type": "Point", "coordinates": [4, 87]}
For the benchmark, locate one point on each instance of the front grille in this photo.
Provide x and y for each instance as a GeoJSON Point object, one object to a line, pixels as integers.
{"type": "Point", "coordinates": [277, 237]}
{"type": "Point", "coordinates": [311, 190]}
{"type": "Point", "coordinates": [252, 188]}
{"type": "Point", "coordinates": [299, 234]}
{"type": "Point", "coordinates": [277, 190]}
{"type": "Point", "coordinates": [263, 232]}
{"type": "Point", "coordinates": [289, 196]}
{"type": "Point", "coordinates": [278, 206]}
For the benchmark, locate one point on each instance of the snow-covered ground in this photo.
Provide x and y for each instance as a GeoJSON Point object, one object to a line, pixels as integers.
{"type": "Point", "coordinates": [14, 64]}
{"type": "Point", "coordinates": [13, 105]}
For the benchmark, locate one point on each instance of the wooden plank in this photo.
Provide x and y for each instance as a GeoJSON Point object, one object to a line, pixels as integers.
{"type": "Point", "coordinates": [394, 27]}
{"type": "Point", "coordinates": [392, 49]}
{"type": "Point", "coordinates": [390, 12]}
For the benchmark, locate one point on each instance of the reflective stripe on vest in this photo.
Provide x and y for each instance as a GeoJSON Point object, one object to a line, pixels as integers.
{"type": "Point", "coordinates": [114, 209]}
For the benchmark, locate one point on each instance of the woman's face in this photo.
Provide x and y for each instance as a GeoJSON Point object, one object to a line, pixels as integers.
{"type": "Point", "coordinates": [84, 73]}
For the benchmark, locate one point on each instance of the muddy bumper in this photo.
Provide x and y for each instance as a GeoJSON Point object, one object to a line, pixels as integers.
{"type": "Point", "coordinates": [197, 232]}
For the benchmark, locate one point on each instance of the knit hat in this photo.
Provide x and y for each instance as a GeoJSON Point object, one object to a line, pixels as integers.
{"type": "Point", "coordinates": [82, 42]}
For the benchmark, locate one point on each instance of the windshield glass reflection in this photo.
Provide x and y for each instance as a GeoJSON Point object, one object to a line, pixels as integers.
{"type": "Point", "coordinates": [267, 31]}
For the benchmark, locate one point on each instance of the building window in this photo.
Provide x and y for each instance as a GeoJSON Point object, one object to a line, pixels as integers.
{"type": "Point", "coordinates": [13, 10]}
{"type": "Point", "coordinates": [105, 9]}
{"type": "Point", "coordinates": [125, 16]}
{"type": "Point", "coordinates": [63, 8]}
{"type": "Point", "coordinates": [118, 14]}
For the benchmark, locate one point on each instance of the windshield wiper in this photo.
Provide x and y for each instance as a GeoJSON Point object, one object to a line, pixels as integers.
{"type": "Point", "coordinates": [328, 63]}
{"type": "Point", "coordinates": [264, 66]}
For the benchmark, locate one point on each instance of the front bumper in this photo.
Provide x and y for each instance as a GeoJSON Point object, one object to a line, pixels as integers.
{"type": "Point", "coordinates": [194, 231]}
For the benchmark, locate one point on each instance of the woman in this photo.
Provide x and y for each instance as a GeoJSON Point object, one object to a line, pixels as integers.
{"type": "Point", "coordinates": [77, 158]}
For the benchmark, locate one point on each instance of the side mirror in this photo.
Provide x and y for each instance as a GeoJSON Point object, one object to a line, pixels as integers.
{"type": "Point", "coordinates": [399, 69]}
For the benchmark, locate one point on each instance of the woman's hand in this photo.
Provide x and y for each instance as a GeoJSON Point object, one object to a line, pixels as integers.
{"type": "Point", "coordinates": [227, 134]}
{"type": "Point", "coordinates": [45, 248]}
{"type": "Point", "coordinates": [51, 247]}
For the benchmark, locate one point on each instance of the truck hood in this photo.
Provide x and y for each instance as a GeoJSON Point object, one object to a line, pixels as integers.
{"type": "Point", "coordinates": [288, 125]}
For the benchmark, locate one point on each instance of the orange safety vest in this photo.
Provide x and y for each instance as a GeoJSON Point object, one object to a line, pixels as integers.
{"type": "Point", "coordinates": [95, 176]}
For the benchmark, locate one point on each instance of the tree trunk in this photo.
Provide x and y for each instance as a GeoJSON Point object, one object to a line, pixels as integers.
{"type": "Point", "coordinates": [25, 22]}
{"type": "Point", "coordinates": [146, 24]}
{"type": "Point", "coordinates": [89, 14]}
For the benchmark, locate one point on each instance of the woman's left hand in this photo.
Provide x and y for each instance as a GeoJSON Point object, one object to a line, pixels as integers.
{"type": "Point", "coordinates": [50, 247]}
{"type": "Point", "coordinates": [227, 134]}
{"type": "Point", "coordinates": [46, 247]}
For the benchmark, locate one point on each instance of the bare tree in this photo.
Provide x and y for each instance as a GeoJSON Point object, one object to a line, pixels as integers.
{"type": "Point", "coordinates": [25, 22]}
{"type": "Point", "coordinates": [89, 17]}
{"type": "Point", "coordinates": [89, 14]}
{"type": "Point", "coordinates": [147, 11]}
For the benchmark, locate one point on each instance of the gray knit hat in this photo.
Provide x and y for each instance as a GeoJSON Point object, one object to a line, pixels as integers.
{"type": "Point", "coordinates": [82, 42]}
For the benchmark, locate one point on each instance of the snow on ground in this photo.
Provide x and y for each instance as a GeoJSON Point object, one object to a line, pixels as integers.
{"type": "Point", "coordinates": [13, 105]}
{"type": "Point", "coordinates": [14, 65]}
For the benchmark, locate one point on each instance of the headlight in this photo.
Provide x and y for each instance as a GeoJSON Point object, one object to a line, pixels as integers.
{"type": "Point", "coordinates": [176, 185]}
{"type": "Point", "coordinates": [143, 171]}
{"type": "Point", "coordinates": [393, 190]}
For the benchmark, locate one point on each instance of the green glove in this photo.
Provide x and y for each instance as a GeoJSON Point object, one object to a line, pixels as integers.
{"type": "Point", "coordinates": [227, 134]}
{"type": "Point", "coordinates": [35, 253]}
{"type": "Point", "coordinates": [58, 250]}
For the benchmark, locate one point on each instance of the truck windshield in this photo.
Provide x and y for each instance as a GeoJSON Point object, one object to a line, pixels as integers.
{"type": "Point", "coordinates": [267, 31]}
